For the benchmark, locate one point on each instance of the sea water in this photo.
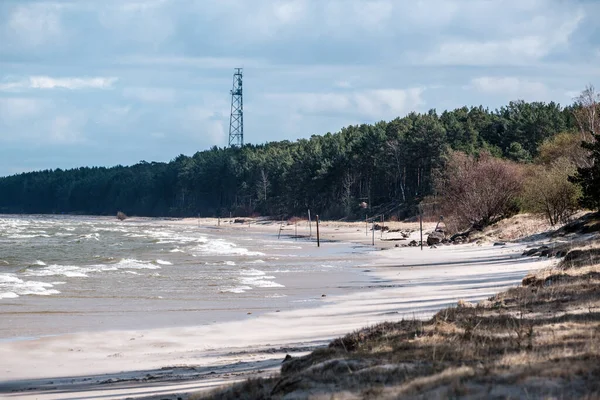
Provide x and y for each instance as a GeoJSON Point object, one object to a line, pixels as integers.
{"type": "Point", "coordinates": [61, 274]}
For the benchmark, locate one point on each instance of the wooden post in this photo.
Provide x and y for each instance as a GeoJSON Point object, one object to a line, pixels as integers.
{"type": "Point", "coordinates": [318, 237]}
{"type": "Point", "coordinates": [373, 231]}
{"type": "Point", "coordinates": [421, 224]}
{"type": "Point", "coordinates": [219, 221]}
{"type": "Point", "coordinates": [280, 227]}
{"type": "Point", "coordinates": [382, 219]}
{"type": "Point", "coordinates": [296, 230]}
{"type": "Point", "coordinates": [309, 226]}
{"type": "Point", "coordinates": [366, 226]}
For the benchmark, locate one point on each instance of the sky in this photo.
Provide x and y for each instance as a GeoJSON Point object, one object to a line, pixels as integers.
{"type": "Point", "coordinates": [101, 83]}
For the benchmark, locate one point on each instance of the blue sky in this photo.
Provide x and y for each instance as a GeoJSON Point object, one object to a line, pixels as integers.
{"type": "Point", "coordinates": [116, 81]}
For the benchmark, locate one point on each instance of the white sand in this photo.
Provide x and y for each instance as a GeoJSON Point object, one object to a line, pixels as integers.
{"type": "Point", "coordinates": [420, 283]}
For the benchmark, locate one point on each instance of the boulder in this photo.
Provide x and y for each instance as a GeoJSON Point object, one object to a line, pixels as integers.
{"type": "Point", "coordinates": [435, 238]}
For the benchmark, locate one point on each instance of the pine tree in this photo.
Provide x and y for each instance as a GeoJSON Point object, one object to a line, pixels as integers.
{"type": "Point", "coordinates": [589, 178]}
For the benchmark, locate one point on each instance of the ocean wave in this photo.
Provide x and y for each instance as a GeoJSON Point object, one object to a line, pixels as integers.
{"type": "Point", "coordinates": [88, 236]}
{"type": "Point", "coordinates": [72, 271]}
{"type": "Point", "coordinates": [162, 262]}
{"type": "Point", "coordinates": [261, 282]}
{"type": "Point", "coordinates": [222, 247]}
{"type": "Point", "coordinates": [252, 272]}
{"type": "Point", "coordinates": [12, 287]}
{"type": "Point", "coordinates": [238, 289]}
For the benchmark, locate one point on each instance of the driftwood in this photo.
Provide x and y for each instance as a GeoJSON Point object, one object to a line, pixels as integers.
{"type": "Point", "coordinates": [462, 235]}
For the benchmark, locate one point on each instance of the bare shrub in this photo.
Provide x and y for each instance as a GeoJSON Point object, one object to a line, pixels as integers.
{"type": "Point", "coordinates": [549, 192]}
{"type": "Point", "coordinates": [121, 216]}
{"type": "Point", "coordinates": [476, 192]}
{"type": "Point", "coordinates": [587, 112]}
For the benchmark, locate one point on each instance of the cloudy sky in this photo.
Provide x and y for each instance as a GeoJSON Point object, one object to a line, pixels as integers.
{"type": "Point", "coordinates": [85, 82]}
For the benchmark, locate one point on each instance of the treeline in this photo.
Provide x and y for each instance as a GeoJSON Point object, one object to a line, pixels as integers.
{"type": "Point", "coordinates": [388, 165]}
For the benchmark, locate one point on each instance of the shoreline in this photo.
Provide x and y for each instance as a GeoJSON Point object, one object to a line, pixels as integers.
{"type": "Point", "coordinates": [194, 310]}
{"type": "Point", "coordinates": [266, 339]}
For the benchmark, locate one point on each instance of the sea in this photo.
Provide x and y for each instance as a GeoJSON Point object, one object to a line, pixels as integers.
{"type": "Point", "coordinates": [65, 274]}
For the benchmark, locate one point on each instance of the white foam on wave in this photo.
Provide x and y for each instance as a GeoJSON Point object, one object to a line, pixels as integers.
{"type": "Point", "coordinates": [231, 263]}
{"type": "Point", "coordinates": [38, 262]}
{"type": "Point", "coordinates": [222, 247]}
{"type": "Point", "coordinates": [252, 272]}
{"type": "Point", "coordinates": [275, 296]}
{"type": "Point", "coordinates": [132, 263]}
{"type": "Point", "coordinates": [261, 282]}
{"type": "Point", "coordinates": [12, 287]}
{"type": "Point", "coordinates": [89, 236]}
{"type": "Point", "coordinates": [21, 236]}
{"type": "Point", "coordinates": [238, 289]}
{"type": "Point", "coordinates": [162, 262]}
{"type": "Point", "coordinates": [62, 234]}
{"type": "Point", "coordinates": [257, 262]}
{"type": "Point", "coordinates": [168, 236]}
{"type": "Point", "coordinates": [72, 271]}
{"type": "Point", "coordinates": [258, 278]}
{"type": "Point", "coordinates": [176, 250]}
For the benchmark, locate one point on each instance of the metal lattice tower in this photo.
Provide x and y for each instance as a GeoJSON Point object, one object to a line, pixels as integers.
{"type": "Point", "coordinates": [236, 120]}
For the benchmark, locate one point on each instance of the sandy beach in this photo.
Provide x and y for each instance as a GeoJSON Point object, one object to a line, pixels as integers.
{"type": "Point", "coordinates": [404, 283]}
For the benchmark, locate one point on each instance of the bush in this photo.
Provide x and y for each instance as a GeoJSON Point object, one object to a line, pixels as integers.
{"type": "Point", "coordinates": [121, 216]}
{"type": "Point", "coordinates": [564, 145]}
{"type": "Point", "coordinates": [547, 191]}
{"type": "Point", "coordinates": [477, 192]}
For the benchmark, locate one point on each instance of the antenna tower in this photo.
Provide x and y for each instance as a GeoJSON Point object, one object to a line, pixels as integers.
{"type": "Point", "coordinates": [236, 120]}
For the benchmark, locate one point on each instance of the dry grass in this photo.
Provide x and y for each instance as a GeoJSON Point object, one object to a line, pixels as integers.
{"type": "Point", "coordinates": [536, 341]}
{"type": "Point", "coordinates": [514, 228]}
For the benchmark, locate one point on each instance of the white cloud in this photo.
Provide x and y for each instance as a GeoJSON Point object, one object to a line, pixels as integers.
{"type": "Point", "coordinates": [51, 125]}
{"type": "Point", "coordinates": [343, 84]}
{"type": "Point", "coordinates": [192, 62]}
{"type": "Point", "coordinates": [370, 104]}
{"type": "Point", "coordinates": [13, 108]}
{"type": "Point", "coordinates": [204, 123]}
{"type": "Point", "coordinates": [510, 86]}
{"type": "Point", "coordinates": [36, 24]}
{"type": "Point", "coordinates": [148, 22]}
{"type": "Point", "coordinates": [46, 82]}
{"type": "Point", "coordinates": [64, 129]}
{"type": "Point", "coordinates": [150, 95]}
{"type": "Point", "coordinates": [523, 45]}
